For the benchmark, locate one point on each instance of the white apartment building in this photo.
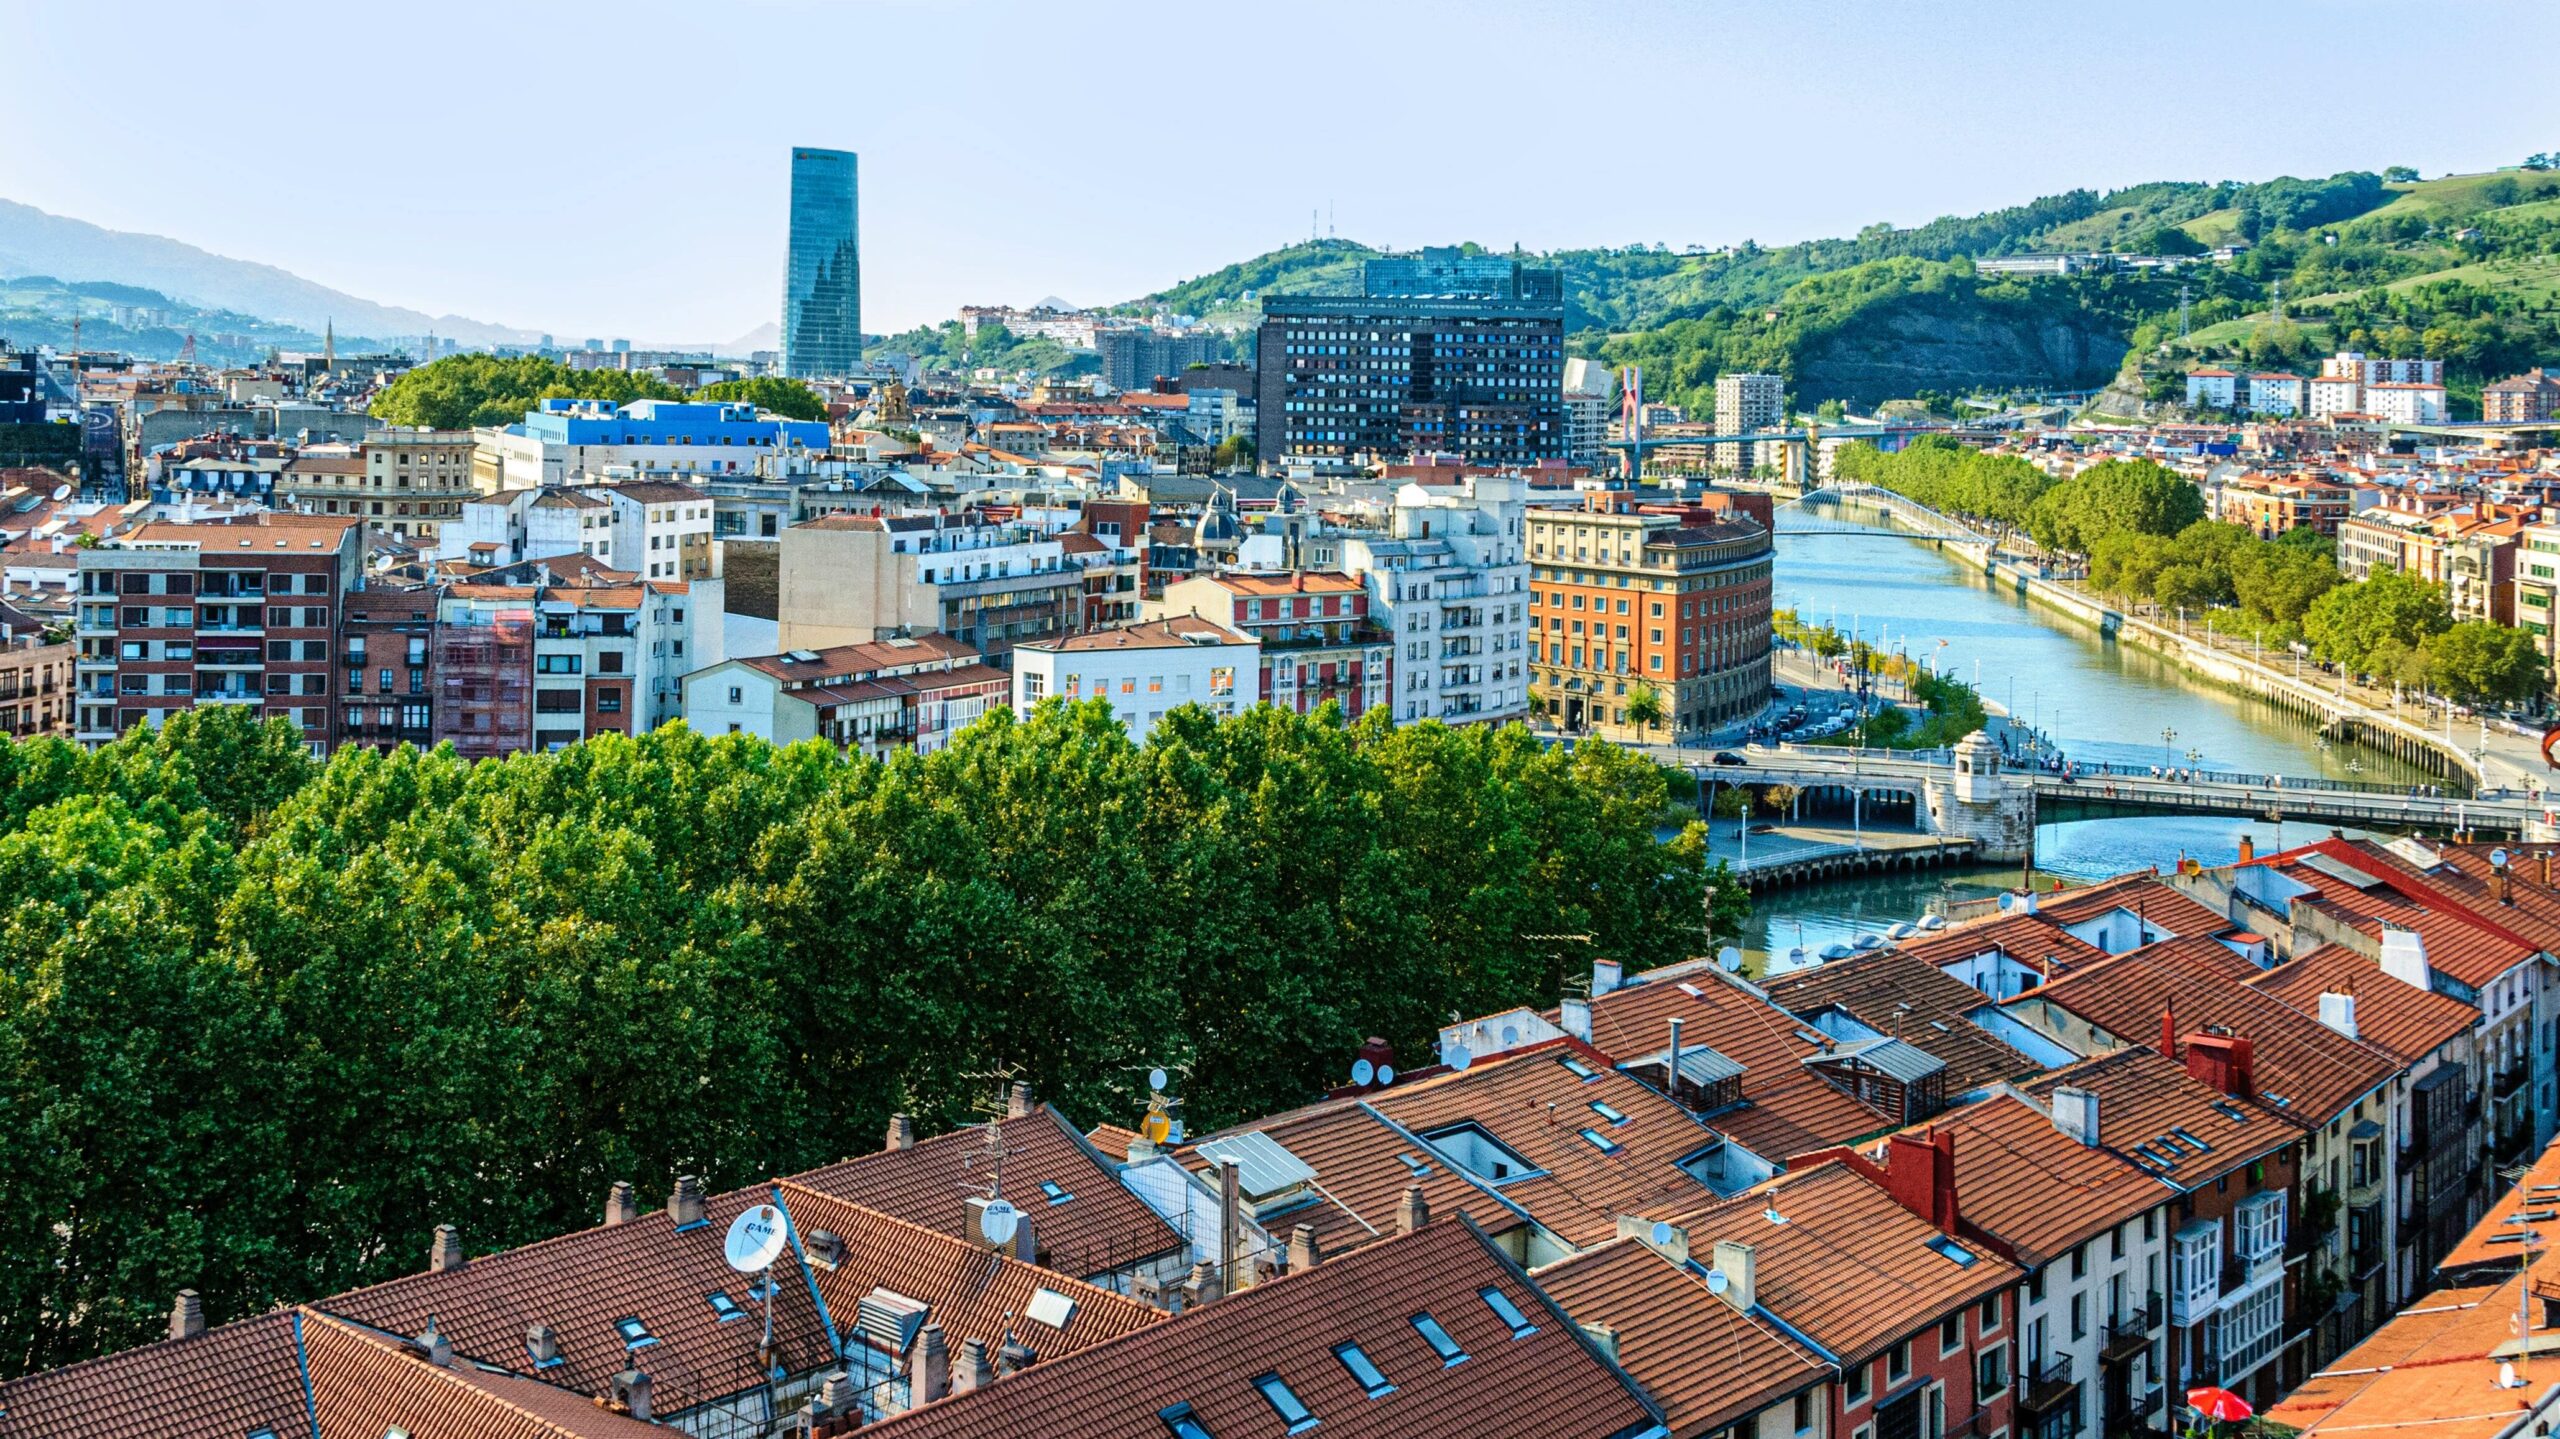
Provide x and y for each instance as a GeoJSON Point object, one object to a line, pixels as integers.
{"type": "Point", "coordinates": [1450, 581]}
{"type": "Point", "coordinates": [2213, 389]}
{"type": "Point", "coordinates": [1590, 403]}
{"type": "Point", "coordinates": [2335, 395]}
{"type": "Point", "coordinates": [2409, 402]}
{"type": "Point", "coordinates": [655, 530]}
{"type": "Point", "coordinates": [2355, 364]}
{"type": "Point", "coordinates": [854, 579]}
{"type": "Point", "coordinates": [1746, 403]}
{"type": "Point", "coordinates": [2275, 394]}
{"type": "Point", "coordinates": [1142, 670]}
{"type": "Point", "coordinates": [661, 531]}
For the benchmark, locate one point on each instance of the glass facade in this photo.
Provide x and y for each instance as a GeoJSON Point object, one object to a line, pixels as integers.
{"type": "Point", "coordinates": [822, 279]}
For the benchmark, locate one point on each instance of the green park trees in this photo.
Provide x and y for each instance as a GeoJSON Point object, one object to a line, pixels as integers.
{"type": "Point", "coordinates": [2398, 630]}
{"type": "Point", "coordinates": [264, 1022]}
{"type": "Point", "coordinates": [2114, 497]}
{"type": "Point", "coordinates": [790, 399]}
{"type": "Point", "coordinates": [460, 391]}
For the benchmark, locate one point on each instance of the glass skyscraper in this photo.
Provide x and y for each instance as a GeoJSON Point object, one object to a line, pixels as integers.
{"type": "Point", "coordinates": [822, 280]}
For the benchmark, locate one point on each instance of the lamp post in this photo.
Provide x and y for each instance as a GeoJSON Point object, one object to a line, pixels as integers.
{"type": "Point", "coordinates": [2168, 737]}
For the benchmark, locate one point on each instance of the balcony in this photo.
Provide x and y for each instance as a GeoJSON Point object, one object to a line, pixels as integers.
{"type": "Point", "coordinates": [2509, 1079]}
{"type": "Point", "coordinates": [2130, 1334]}
{"type": "Point", "coordinates": [2050, 1387]}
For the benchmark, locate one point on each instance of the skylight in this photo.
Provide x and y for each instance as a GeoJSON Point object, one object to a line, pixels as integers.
{"type": "Point", "coordinates": [1414, 1162]}
{"type": "Point", "coordinates": [1182, 1423]}
{"type": "Point", "coordinates": [724, 1307]}
{"type": "Point", "coordinates": [1506, 1311]}
{"type": "Point", "coordinates": [1051, 1308]}
{"type": "Point", "coordinates": [1575, 1067]}
{"type": "Point", "coordinates": [1600, 1141]}
{"type": "Point", "coordinates": [1364, 1371]}
{"type": "Point", "coordinates": [2188, 1135]}
{"type": "Point", "coordinates": [1952, 1250]}
{"type": "Point", "coordinates": [1439, 1340]}
{"type": "Point", "coordinates": [1285, 1403]}
{"type": "Point", "coordinates": [635, 1335]}
{"type": "Point", "coordinates": [1056, 1194]}
{"type": "Point", "coordinates": [1608, 1112]}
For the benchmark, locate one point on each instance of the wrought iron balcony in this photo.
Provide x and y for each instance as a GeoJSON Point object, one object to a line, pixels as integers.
{"type": "Point", "coordinates": [2049, 1386]}
{"type": "Point", "coordinates": [2130, 1334]}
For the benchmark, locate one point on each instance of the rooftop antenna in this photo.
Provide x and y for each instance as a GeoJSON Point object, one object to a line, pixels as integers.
{"type": "Point", "coordinates": [756, 1238]}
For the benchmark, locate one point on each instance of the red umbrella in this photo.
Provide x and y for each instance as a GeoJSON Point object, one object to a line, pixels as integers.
{"type": "Point", "coordinates": [2219, 1404]}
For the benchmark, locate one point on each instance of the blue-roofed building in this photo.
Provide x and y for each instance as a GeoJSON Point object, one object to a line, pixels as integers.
{"type": "Point", "coordinates": [566, 441]}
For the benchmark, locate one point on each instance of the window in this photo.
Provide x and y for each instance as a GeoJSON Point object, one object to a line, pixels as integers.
{"type": "Point", "coordinates": [737, 695]}
{"type": "Point", "coordinates": [1285, 1403]}
{"type": "Point", "coordinates": [1600, 1141]}
{"type": "Point", "coordinates": [1182, 1423]}
{"type": "Point", "coordinates": [1990, 1316]}
{"type": "Point", "coordinates": [1508, 1312]}
{"type": "Point", "coordinates": [1056, 1194]}
{"type": "Point", "coordinates": [1439, 1340]}
{"type": "Point", "coordinates": [1579, 1070]}
{"type": "Point", "coordinates": [635, 1335]}
{"type": "Point", "coordinates": [1804, 1412]}
{"type": "Point", "coordinates": [724, 1307]}
{"type": "Point", "coordinates": [1897, 1363]}
{"type": "Point", "coordinates": [1990, 1374]}
{"type": "Point", "coordinates": [1854, 1384]}
{"type": "Point", "coordinates": [1608, 1112]}
{"type": "Point", "coordinates": [1950, 1334]}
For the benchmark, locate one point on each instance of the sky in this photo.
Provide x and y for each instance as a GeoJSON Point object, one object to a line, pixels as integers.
{"type": "Point", "coordinates": [622, 169]}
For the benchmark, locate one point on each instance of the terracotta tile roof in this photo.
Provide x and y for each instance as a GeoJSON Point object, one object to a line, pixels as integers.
{"type": "Point", "coordinates": [973, 1292]}
{"type": "Point", "coordinates": [2142, 1097]}
{"type": "Point", "coordinates": [2392, 1015]}
{"type": "Point", "coordinates": [1361, 1175]}
{"type": "Point", "coordinates": [1533, 1105]}
{"type": "Point", "coordinates": [2146, 895]}
{"type": "Point", "coordinates": [1706, 1363]}
{"type": "Point", "coordinates": [2459, 941]}
{"type": "Point", "coordinates": [1104, 1228]}
{"type": "Point", "coordinates": [2304, 1069]}
{"type": "Point", "coordinates": [2030, 939]}
{"type": "Point", "coordinates": [1177, 632]}
{"type": "Point", "coordinates": [1300, 582]}
{"type": "Point", "coordinates": [2035, 1189]}
{"type": "Point", "coordinates": [1899, 994]}
{"type": "Point", "coordinates": [2535, 1190]}
{"type": "Point", "coordinates": [1111, 1139]}
{"type": "Point", "coordinates": [1850, 1268]}
{"type": "Point", "coordinates": [846, 661]}
{"type": "Point", "coordinates": [234, 1380]}
{"type": "Point", "coordinates": [1786, 1108]}
{"type": "Point", "coordinates": [363, 1384]}
{"type": "Point", "coordinates": [1208, 1359]}
{"type": "Point", "coordinates": [2431, 1372]}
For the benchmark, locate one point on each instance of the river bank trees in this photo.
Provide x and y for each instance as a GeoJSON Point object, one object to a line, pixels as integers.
{"type": "Point", "coordinates": [264, 1022]}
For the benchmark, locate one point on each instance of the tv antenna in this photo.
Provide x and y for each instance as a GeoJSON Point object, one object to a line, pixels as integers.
{"type": "Point", "coordinates": [756, 1238]}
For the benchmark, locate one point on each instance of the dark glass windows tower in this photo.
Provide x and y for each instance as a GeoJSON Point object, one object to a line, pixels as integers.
{"type": "Point", "coordinates": [822, 280]}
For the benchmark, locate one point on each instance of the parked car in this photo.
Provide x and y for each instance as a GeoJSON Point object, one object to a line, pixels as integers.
{"type": "Point", "coordinates": [1728, 757]}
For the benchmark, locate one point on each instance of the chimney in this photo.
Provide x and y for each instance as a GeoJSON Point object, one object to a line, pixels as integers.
{"type": "Point", "coordinates": [1303, 1253]}
{"type": "Point", "coordinates": [631, 1393]}
{"type": "Point", "coordinates": [621, 1206]}
{"type": "Point", "coordinates": [2248, 847]}
{"type": "Point", "coordinates": [1671, 1064]}
{"type": "Point", "coordinates": [2498, 886]}
{"type": "Point", "coordinates": [1674, 1244]}
{"type": "Point", "coordinates": [2404, 957]}
{"type": "Point", "coordinates": [447, 1253]}
{"type": "Point", "coordinates": [974, 1370]}
{"type": "Point", "coordinates": [1606, 976]}
{"type": "Point", "coordinates": [834, 1396]}
{"type": "Point", "coordinates": [902, 1131]}
{"type": "Point", "coordinates": [2169, 1031]}
{"type": "Point", "coordinates": [1920, 1174]}
{"type": "Point", "coordinates": [541, 1344]}
{"type": "Point", "coordinates": [1412, 1211]}
{"type": "Point", "coordinates": [1014, 1356]}
{"type": "Point", "coordinates": [685, 1205]}
{"type": "Point", "coordinates": [2027, 901]}
{"type": "Point", "coordinates": [1017, 1101]}
{"type": "Point", "coordinates": [929, 1367]}
{"type": "Point", "coordinates": [2546, 869]}
{"type": "Point", "coordinates": [186, 1317]}
{"type": "Point", "coordinates": [1739, 1263]}
{"type": "Point", "coordinates": [1576, 1014]}
{"type": "Point", "coordinates": [2222, 1061]}
{"type": "Point", "coordinates": [1202, 1287]}
{"type": "Point", "coordinates": [1603, 1338]}
{"type": "Point", "coordinates": [2338, 1011]}
{"type": "Point", "coordinates": [826, 1249]}
{"type": "Point", "coordinates": [2075, 1113]}
{"type": "Point", "coordinates": [1230, 1221]}
{"type": "Point", "coordinates": [432, 1346]}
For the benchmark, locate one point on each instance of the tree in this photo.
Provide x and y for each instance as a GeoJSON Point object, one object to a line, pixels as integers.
{"type": "Point", "coordinates": [460, 391]}
{"type": "Point", "coordinates": [788, 398]}
{"type": "Point", "coordinates": [2346, 623]}
{"type": "Point", "coordinates": [2481, 663]}
{"type": "Point", "coordinates": [2114, 497]}
{"type": "Point", "coordinates": [1235, 452]}
{"type": "Point", "coordinates": [2169, 240]}
{"type": "Point", "coordinates": [2399, 175]}
{"type": "Point", "coordinates": [1644, 708]}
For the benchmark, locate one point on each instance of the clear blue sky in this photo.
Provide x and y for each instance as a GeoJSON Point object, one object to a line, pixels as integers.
{"type": "Point", "coordinates": [621, 169]}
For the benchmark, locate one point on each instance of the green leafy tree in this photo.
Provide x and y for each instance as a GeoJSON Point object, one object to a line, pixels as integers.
{"type": "Point", "coordinates": [2347, 622]}
{"type": "Point", "coordinates": [2114, 497]}
{"type": "Point", "coordinates": [1235, 452]}
{"type": "Point", "coordinates": [2481, 663]}
{"type": "Point", "coordinates": [1644, 708]}
{"type": "Point", "coordinates": [460, 391]}
{"type": "Point", "coordinates": [788, 398]}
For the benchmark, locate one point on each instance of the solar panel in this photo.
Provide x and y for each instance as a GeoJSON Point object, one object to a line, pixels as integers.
{"type": "Point", "coordinates": [1268, 1169]}
{"type": "Point", "coordinates": [2339, 869]}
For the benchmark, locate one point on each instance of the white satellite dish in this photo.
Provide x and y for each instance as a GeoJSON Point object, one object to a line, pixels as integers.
{"type": "Point", "coordinates": [1662, 1232]}
{"type": "Point", "coordinates": [2007, 900]}
{"type": "Point", "coordinates": [1362, 1071]}
{"type": "Point", "coordinates": [1716, 1282]}
{"type": "Point", "coordinates": [1155, 1079]}
{"type": "Point", "coordinates": [1386, 1075]}
{"type": "Point", "coordinates": [1510, 1034]}
{"type": "Point", "coordinates": [756, 1238]}
{"type": "Point", "coordinates": [2498, 857]}
{"type": "Point", "coordinates": [998, 1221]}
{"type": "Point", "coordinates": [1459, 1058]}
{"type": "Point", "coordinates": [1729, 959]}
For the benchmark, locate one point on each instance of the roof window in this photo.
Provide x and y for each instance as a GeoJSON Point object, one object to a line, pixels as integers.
{"type": "Point", "coordinates": [1506, 1311]}
{"type": "Point", "coordinates": [724, 1307]}
{"type": "Point", "coordinates": [635, 1334]}
{"type": "Point", "coordinates": [1600, 1141]}
{"type": "Point", "coordinates": [1948, 1248]}
{"type": "Point", "coordinates": [1574, 1066]}
{"type": "Point", "coordinates": [1285, 1403]}
{"type": "Point", "coordinates": [1438, 1338]}
{"type": "Point", "coordinates": [1608, 1112]}
{"type": "Point", "coordinates": [1180, 1422]}
{"type": "Point", "coordinates": [1364, 1371]}
{"type": "Point", "coordinates": [1057, 1193]}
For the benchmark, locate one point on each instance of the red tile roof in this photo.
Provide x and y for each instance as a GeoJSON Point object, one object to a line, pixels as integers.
{"type": "Point", "coordinates": [363, 1384]}
{"type": "Point", "coordinates": [2392, 1015]}
{"type": "Point", "coordinates": [2459, 940]}
{"type": "Point", "coordinates": [1899, 994]}
{"type": "Point", "coordinates": [1704, 1361]}
{"type": "Point", "coordinates": [2146, 895]}
{"type": "Point", "coordinates": [2039, 1191]}
{"type": "Point", "coordinates": [1362, 1174]}
{"type": "Point", "coordinates": [2142, 1097]}
{"type": "Point", "coordinates": [2431, 1372]}
{"type": "Point", "coordinates": [234, 1379]}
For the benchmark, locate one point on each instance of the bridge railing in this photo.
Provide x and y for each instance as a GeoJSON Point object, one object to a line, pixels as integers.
{"type": "Point", "coordinates": [2258, 780]}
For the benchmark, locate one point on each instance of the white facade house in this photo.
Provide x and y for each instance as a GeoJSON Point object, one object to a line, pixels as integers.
{"type": "Point", "coordinates": [2213, 389]}
{"type": "Point", "coordinates": [2100, 1296]}
{"type": "Point", "coordinates": [1142, 670]}
{"type": "Point", "coordinates": [1450, 581]}
{"type": "Point", "coordinates": [2407, 402]}
{"type": "Point", "coordinates": [657, 527]}
{"type": "Point", "coordinates": [2335, 395]}
{"type": "Point", "coordinates": [1590, 400]}
{"type": "Point", "coordinates": [2275, 394]}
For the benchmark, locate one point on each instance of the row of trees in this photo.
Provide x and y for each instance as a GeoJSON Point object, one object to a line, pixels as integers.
{"type": "Point", "coordinates": [460, 391]}
{"type": "Point", "coordinates": [2110, 498]}
{"type": "Point", "coordinates": [2209, 566]}
{"type": "Point", "coordinates": [265, 1022]}
{"type": "Point", "coordinates": [1947, 476]}
{"type": "Point", "coordinates": [2398, 630]}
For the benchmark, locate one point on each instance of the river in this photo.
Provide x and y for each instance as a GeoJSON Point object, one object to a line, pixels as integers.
{"type": "Point", "coordinates": [2097, 700]}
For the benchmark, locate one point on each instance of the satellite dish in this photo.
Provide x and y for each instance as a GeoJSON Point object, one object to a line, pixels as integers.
{"type": "Point", "coordinates": [1386, 1075]}
{"type": "Point", "coordinates": [2007, 900]}
{"type": "Point", "coordinates": [2498, 857]}
{"type": "Point", "coordinates": [1662, 1232]}
{"type": "Point", "coordinates": [1729, 959]}
{"type": "Point", "coordinates": [1459, 1058]}
{"type": "Point", "coordinates": [1362, 1071]}
{"type": "Point", "coordinates": [998, 1221]}
{"type": "Point", "coordinates": [755, 1239]}
{"type": "Point", "coordinates": [1510, 1034]}
{"type": "Point", "coordinates": [1155, 1079]}
{"type": "Point", "coordinates": [1716, 1282]}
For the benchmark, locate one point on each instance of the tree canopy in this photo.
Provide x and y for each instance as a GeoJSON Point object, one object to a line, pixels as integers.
{"type": "Point", "coordinates": [790, 399]}
{"type": "Point", "coordinates": [460, 391]}
{"type": "Point", "coordinates": [2114, 497]}
{"type": "Point", "coordinates": [265, 1022]}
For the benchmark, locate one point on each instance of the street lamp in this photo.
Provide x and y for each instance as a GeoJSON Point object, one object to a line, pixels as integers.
{"type": "Point", "coordinates": [2168, 736]}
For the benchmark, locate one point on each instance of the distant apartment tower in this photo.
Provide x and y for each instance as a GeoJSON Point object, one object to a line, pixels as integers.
{"type": "Point", "coordinates": [2525, 399]}
{"type": "Point", "coordinates": [822, 277]}
{"type": "Point", "coordinates": [1746, 404]}
{"type": "Point", "coordinates": [1135, 357]}
{"type": "Point", "coordinates": [1441, 353]}
{"type": "Point", "coordinates": [1590, 403]}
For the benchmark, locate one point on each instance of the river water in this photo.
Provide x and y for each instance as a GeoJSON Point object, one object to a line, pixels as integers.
{"type": "Point", "coordinates": [2097, 700]}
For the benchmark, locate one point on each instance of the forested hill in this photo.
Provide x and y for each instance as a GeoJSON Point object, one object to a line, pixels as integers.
{"type": "Point", "coordinates": [1894, 312]}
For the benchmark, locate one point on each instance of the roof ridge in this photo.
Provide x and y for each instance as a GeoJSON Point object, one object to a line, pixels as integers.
{"type": "Point", "coordinates": [443, 1374]}
{"type": "Point", "coordinates": [939, 1237]}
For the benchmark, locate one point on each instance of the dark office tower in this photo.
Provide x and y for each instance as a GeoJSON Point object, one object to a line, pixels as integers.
{"type": "Point", "coordinates": [822, 281]}
{"type": "Point", "coordinates": [1441, 353]}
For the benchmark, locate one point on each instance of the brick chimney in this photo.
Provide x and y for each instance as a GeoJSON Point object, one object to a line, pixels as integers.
{"type": "Point", "coordinates": [929, 1367]}
{"type": "Point", "coordinates": [1303, 1254]}
{"type": "Point", "coordinates": [902, 1131]}
{"type": "Point", "coordinates": [1412, 1211]}
{"type": "Point", "coordinates": [447, 1251]}
{"type": "Point", "coordinates": [2248, 847]}
{"type": "Point", "coordinates": [1920, 1174]}
{"type": "Point", "coordinates": [685, 1206]}
{"type": "Point", "coordinates": [631, 1393]}
{"type": "Point", "coordinates": [1017, 1101]}
{"type": "Point", "coordinates": [974, 1370]}
{"type": "Point", "coordinates": [186, 1317]}
{"type": "Point", "coordinates": [1202, 1287]}
{"type": "Point", "coordinates": [2224, 1062]}
{"type": "Point", "coordinates": [621, 1205]}
{"type": "Point", "coordinates": [2168, 1031]}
